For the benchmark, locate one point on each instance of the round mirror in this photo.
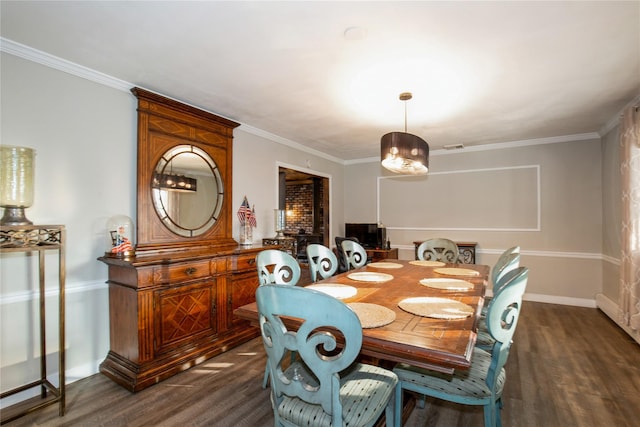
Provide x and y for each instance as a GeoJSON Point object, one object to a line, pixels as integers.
{"type": "Point", "coordinates": [187, 190]}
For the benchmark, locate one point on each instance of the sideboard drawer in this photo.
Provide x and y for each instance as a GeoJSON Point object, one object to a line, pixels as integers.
{"type": "Point", "coordinates": [244, 262]}
{"type": "Point", "coordinates": [181, 272]}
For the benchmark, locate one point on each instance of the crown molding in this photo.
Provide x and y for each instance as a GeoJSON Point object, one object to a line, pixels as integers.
{"type": "Point", "coordinates": [615, 120]}
{"type": "Point", "coordinates": [48, 60]}
{"type": "Point", "coordinates": [284, 141]}
{"type": "Point", "coordinates": [498, 146]}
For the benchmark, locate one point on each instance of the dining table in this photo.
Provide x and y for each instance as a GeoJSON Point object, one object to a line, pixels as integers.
{"type": "Point", "coordinates": [424, 313]}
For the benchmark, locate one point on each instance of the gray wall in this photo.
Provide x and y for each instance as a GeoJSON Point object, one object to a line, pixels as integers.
{"type": "Point", "coordinates": [563, 249]}
{"type": "Point", "coordinates": [611, 217]}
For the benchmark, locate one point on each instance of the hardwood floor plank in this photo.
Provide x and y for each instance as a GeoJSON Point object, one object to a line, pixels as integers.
{"type": "Point", "coordinates": [569, 366]}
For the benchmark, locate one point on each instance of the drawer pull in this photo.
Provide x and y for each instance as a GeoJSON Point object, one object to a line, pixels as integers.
{"type": "Point", "coordinates": [252, 261]}
{"type": "Point", "coordinates": [189, 271]}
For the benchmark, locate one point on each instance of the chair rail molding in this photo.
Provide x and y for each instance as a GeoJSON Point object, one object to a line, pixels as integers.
{"type": "Point", "coordinates": [32, 295]}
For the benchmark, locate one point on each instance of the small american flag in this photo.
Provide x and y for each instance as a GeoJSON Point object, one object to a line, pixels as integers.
{"type": "Point", "coordinates": [251, 220]}
{"type": "Point", "coordinates": [244, 213]}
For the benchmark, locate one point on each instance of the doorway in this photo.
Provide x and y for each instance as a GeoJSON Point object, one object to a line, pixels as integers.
{"type": "Point", "coordinates": [305, 198]}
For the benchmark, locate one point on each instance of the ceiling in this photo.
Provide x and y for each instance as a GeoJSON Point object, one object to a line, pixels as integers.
{"type": "Point", "coordinates": [327, 75]}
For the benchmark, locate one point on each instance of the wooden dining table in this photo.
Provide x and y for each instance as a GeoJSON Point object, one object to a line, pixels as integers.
{"type": "Point", "coordinates": [439, 344]}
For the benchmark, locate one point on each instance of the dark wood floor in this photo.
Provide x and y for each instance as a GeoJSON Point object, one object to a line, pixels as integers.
{"type": "Point", "coordinates": [569, 366]}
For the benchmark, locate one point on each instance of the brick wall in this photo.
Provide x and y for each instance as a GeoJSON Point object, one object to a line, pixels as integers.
{"type": "Point", "coordinates": [299, 208]}
{"type": "Point", "coordinates": [299, 205]}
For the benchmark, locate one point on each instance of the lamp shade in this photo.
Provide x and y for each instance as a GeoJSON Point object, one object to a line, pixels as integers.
{"type": "Point", "coordinates": [404, 153]}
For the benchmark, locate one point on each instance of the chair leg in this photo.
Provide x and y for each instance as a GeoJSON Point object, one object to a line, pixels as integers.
{"type": "Point", "coordinates": [390, 412]}
{"type": "Point", "coordinates": [398, 405]}
{"type": "Point", "coordinates": [265, 380]}
{"type": "Point", "coordinates": [490, 417]}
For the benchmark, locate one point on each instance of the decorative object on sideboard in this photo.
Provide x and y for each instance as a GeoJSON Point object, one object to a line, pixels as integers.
{"type": "Point", "coordinates": [120, 237]}
{"type": "Point", "coordinates": [247, 217]}
{"type": "Point", "coordinates": [280, 218]}
{"type": "Point", "coordinates": [402, 152]}
{"type": "Point", "coordinates": [16, 183]}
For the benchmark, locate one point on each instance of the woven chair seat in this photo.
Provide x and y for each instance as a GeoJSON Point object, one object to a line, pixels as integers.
{"type": "Point", "coordinates": [362, 380]}
{"type": "Point", "coordinates": [484, 340]}
{"type": "Point", "coordinates": [466, 387]}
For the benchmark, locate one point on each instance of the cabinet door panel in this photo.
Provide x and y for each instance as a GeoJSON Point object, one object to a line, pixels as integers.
{"type": "Point", "coordinates": [242, 292]}
{"type": "Point", "coordinates": [185, 314]}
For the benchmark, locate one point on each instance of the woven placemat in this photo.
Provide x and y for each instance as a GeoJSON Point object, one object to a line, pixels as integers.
{"type": "Point", "coordinates": [370, 276]}
{"type": "Point", "coordinates": [438, 308]}
{"type": "Point", "coordinates": [452, 271]}
{"type": "Point", "coordinates": [425, 263]}
{"type": "Point", "coordinates": [383, 264]}
{"type": "Point", "coordinates": [372, 315]}
{"type": "Point", "coordinates": [336, 290]}
{"type": "Point", "coordinates": [447, 284]}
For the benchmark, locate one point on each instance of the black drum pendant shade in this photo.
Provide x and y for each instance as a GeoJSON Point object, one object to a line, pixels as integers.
{"type": "Point", "coordinates": [402, 152]}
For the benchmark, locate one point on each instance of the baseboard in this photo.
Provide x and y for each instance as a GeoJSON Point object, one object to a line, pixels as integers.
{"type": "Point", "coordinates": [556, 299]}
{"type": "Point", "coordinates": [611, 309]}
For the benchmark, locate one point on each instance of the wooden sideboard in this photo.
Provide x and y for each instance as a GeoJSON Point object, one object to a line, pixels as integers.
{"type": "Point", "coordinates": [168, 313]}
{"type": "Point", "coordinates": [380, 254]}
{"type": "Point", "coordinates": [467, 251]}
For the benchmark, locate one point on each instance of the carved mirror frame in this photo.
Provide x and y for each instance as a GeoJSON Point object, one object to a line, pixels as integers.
{"type": "Point", "coordinates": [163, 125]}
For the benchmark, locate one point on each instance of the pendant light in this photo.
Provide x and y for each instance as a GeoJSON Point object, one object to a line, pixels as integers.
{"type": "Point", "coordinates": [402, 152]}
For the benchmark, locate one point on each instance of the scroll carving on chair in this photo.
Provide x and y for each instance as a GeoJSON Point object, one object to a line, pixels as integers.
{"type": "Point", "coordinates": [275, 266]}
{"type": "Point", "coordinates": [322, 261]}
{"type": "Point", "coordinates": [438, 249]}
{"type": "Point", "coordinates": [355, 255]}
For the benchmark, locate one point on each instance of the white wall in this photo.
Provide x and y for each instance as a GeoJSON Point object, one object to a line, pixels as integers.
{"type": "Point", "coordinates": [255, 174]}
{"type": "Point", "coordinates": [84, 137]}
{"type": "Point", "coordinates": [84, 134]}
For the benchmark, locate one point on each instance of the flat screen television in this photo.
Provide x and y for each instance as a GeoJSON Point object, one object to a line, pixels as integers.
{"type": "Point", "coordinates": [368, 234]}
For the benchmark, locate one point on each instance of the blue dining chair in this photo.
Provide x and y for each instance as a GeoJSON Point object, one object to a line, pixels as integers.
{"type": "Point", "coordinates": [324, 386]}
{"type": "Point", "coordinates": [278, 268]}
{"type": "Point", "coordinates": [508, 261]}
{"type": "Point", "coordinates": [322, 261]}
{"type": "Point", "coordinates": [438, 249]}
{"type": "Point", "coordinates": [343, 266]}
{"type": "Point", "coordinates": [355, 255]}
{"type": "Point", "coordinates": [484, 382]}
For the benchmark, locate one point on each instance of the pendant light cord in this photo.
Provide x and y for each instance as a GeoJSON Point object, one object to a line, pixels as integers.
{"type": "Point", "coordinates": [405, 96]}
